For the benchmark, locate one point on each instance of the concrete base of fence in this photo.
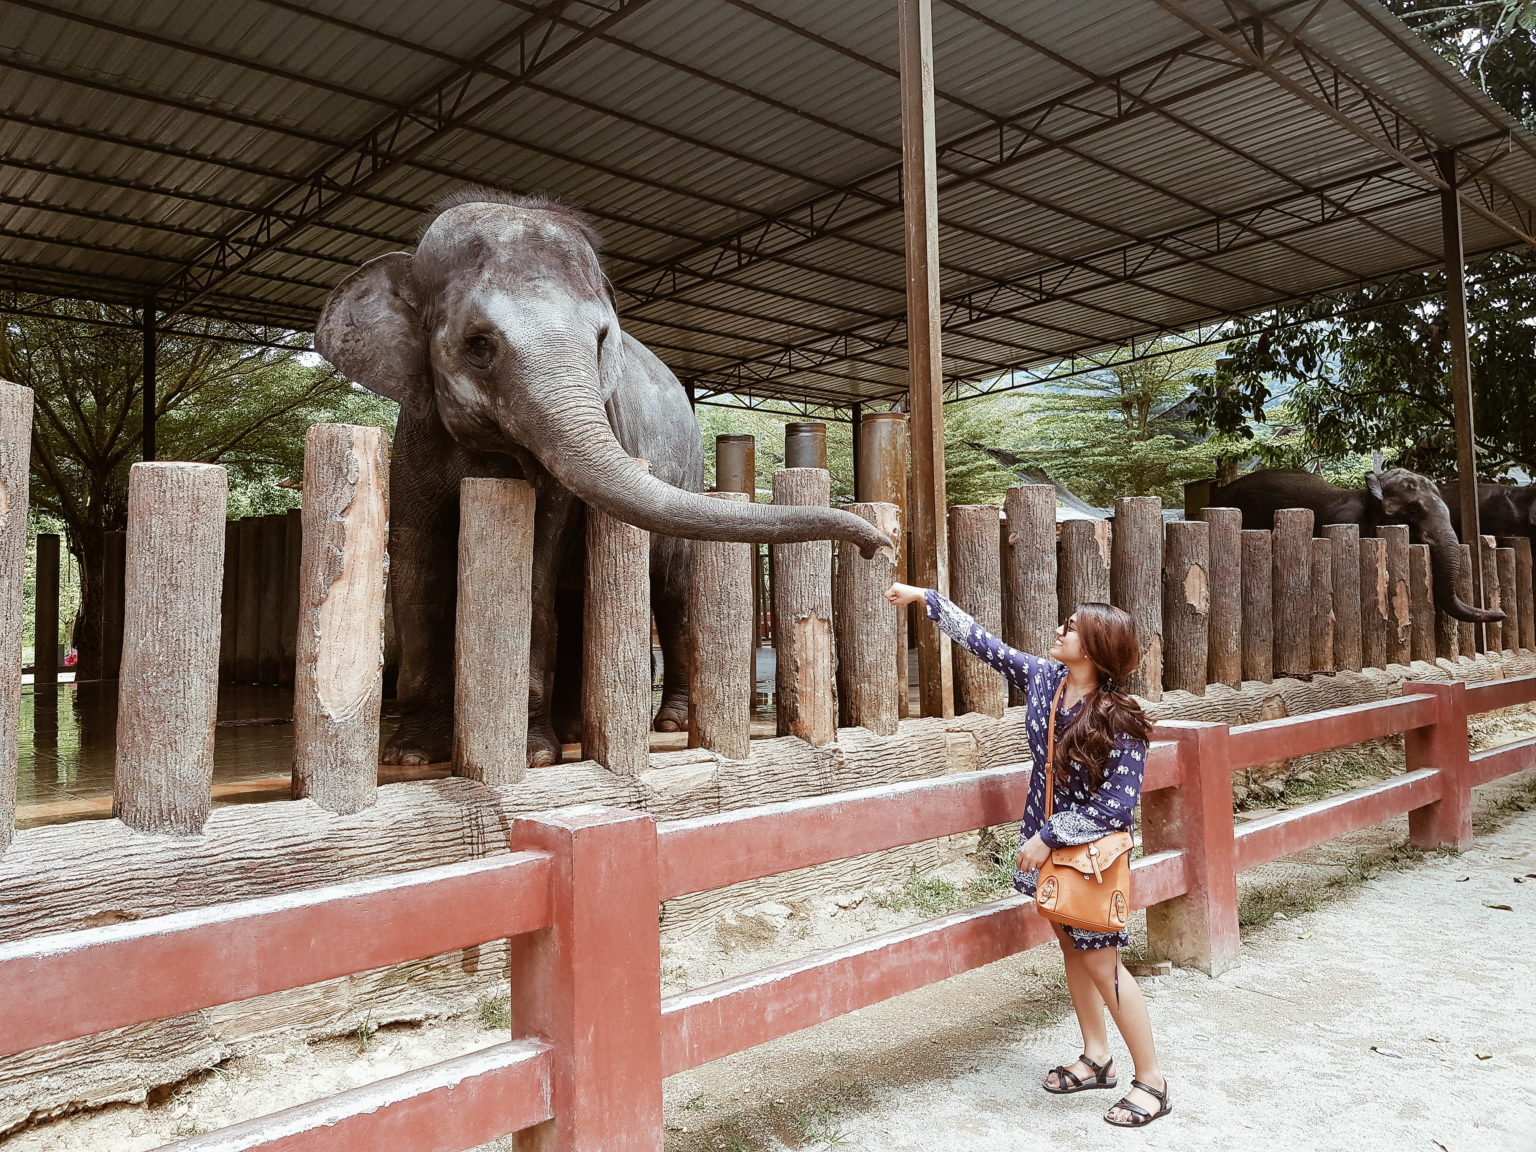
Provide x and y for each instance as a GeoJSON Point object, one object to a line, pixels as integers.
{"type": "Point", "coordinates": [100, 872]}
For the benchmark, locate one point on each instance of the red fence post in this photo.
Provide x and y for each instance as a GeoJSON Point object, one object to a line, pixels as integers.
{"type": "Point", "coordinates": [1443, 746]}
{"type": "Point", "coordinates": [1199, 928]}
{"type": "Point", "coordinates": [590, 984]}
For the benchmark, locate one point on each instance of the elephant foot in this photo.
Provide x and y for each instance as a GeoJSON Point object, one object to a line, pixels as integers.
{"type": "Point", "coordinates": [543, 746]}
{"type": "Point", "coordinates": [418, 742]}
{"type": "Point", "coordinates": [672, 716]}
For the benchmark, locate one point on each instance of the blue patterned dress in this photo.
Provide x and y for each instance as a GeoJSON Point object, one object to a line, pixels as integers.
{"type": "Point", "coordinates": [1081, 815]}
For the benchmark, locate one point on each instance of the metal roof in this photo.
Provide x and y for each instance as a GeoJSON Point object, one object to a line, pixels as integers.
{"type": "Point", "coordinates": [1109, 170]}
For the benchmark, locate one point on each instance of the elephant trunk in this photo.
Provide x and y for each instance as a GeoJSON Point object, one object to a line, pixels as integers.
{"type": "Point", "coordinates": [580, 450]}
{"type": "Point", "coordinates": [1445, 566]}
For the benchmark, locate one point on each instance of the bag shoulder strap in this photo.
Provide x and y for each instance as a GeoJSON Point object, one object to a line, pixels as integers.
{"type": "Point", "coordinates": [1050, 746]}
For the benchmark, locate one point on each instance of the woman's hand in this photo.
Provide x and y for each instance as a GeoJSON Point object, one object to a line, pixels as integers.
{"type": "Point", "coordinates": [903, 594]}
{"type": "Point", "coordinates": [1032, 853]}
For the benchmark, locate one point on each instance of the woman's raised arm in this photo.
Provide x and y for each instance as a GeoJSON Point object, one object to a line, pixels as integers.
{"type": "Point", "coordinates": [1016, 666]}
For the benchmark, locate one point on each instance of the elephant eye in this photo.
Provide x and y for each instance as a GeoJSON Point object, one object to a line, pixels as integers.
{"type": "Point", "coordinates": [479, 351]}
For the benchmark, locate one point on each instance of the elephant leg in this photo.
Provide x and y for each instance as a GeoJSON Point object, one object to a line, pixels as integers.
{"type": "Point", "coordinates": [669, 601]}
{"type": "Point", "coordinates": [556, 529]}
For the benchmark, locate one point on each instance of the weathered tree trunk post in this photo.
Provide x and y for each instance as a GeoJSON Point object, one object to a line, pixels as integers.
{"type": "Point", "coordinates": [1292, 544]}
{"type": "Point", "coordinates": [1399, 599]}
{"type": "Point", "coordinates": [274, 532]}
{"type": "Point", "coordinates": [721, 632]}
{"type": "Point", "coordinates": [492, 629]}
{"type": "Point", "coordinates": [802, 613]}
{"type": "Point", "coordinates": [15, 462]}
{"type": "Point", "coordinates": [1224, 659]}
{"type": "Point", "coordinates": [1509, 628]}
{"type": "Point", "coordinates": [338, 680]}
{"type": "Point", "coordinates": [1322, 604]}
{"type": "Point", "coordinates": [169, 693]}
{"type": "Point", "coordinates": [1466, 632]}
{"type": "Point", "coordinates": [1375, 609]}
{"type": "Point", "coordinates": [1345, 542]}
{"type": "Point", "coordinates": [1525, 594]}
{"type": "Point", "coordinates": [1258, 606]}
{"type": "Point", "coordinates": [1421, 602]}
{"type": "Point", "coordinates": [229, 603]}
{"type": "Point", "coordinates": [868, 626]}
{"type": "Point", "coordinates": [1186, 606]}
{"type": "Point", "coordinates": [1493, 594]}
{"type": "Point", "coordinates": [1135, 583]}
{"type": "Point", "coordinates": [1031, 575]}
{"type": "Point", "coordinates": [45, 621]}
{"type": "Point", "coordinates": [115, 544]}
{"type": "Point", "coordinates": [885, 456]}
{"type": "Point", "coordinates": [248, 626]}
{"type": "Point", "coordinates": [1084, 565]}
{"type": "Point", "coordinates": [293, 551]}
{"type": "Point", "coordinates": [616, 660]}
{"type": "Point", "coordinates": [975, 582]}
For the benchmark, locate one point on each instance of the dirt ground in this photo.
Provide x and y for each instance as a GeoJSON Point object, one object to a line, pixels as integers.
{"type": "Point", "coordinates": [1388, 1006]}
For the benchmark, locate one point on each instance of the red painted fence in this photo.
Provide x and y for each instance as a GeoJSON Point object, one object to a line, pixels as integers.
{"type": "Point", "coordinates": [578, 897]}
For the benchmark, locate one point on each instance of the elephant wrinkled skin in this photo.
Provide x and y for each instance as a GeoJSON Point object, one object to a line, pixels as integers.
{"type": "Point", "coordinates": [1502, 509]}
{"type": "Point", "coordinates": [499, 340]}
{"type": "Point", "coordinates": [1396, 496]}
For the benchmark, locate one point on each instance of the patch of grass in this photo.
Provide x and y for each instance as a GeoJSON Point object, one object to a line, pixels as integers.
{"type": "Point", "coordinates": [495, 1013]}
{"type": "Point", "coordinates": [366, 1031]}
{"type": "Point", "coordinates": [934, 896]}
{"type": "Point", "coordinates": [1258, 905]}
{"type": "Point", "coordinates": [1497, 813]}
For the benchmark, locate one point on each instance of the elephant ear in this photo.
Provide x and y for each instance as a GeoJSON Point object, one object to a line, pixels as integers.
{"type": "Point", "coordinates": [370, 329]}
{"type": "Point", "coordinates": [1373, 485]}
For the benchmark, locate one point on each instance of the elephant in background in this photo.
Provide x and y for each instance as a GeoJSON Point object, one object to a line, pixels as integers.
{"type": "Point", "coordinates": [500, 341]}
{"type": "Point", "coordinates": [1396, 496]}
{"type": "Point", "coordinates": [1502, 509]}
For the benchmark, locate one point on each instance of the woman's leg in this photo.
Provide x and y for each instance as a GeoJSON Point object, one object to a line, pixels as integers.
{"type": "Point", "coordinates": [1089, 1006]}
{"type": "Point", "coordinates": [1129, 1010]}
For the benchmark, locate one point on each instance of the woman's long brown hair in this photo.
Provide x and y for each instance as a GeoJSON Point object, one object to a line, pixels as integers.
{"type": "Point", "coordinates": [1108, 637]}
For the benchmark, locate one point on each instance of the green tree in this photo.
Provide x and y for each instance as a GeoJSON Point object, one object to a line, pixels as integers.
{"type": "Point", "coordinates": [244, 407]}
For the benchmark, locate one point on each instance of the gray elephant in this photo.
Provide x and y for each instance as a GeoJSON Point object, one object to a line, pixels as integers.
{"type": "Point", "coordinates": [500, 342]}
{"type": "Point", "coordinates": [1502, 509]}
{"type": "Point", "coordinates": [1396, 496]}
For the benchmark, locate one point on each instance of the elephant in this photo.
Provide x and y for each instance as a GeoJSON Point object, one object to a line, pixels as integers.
{"type": "Point", "coordinates": [500, 340]}
{"type": "Point", "coordinates": [1502, 509]}
{"type": "Point", "coordinates": [1396, 496]}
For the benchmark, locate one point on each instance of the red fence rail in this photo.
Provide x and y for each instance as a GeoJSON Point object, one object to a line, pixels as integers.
{"type": "Point", "coordinates": [578, 898]}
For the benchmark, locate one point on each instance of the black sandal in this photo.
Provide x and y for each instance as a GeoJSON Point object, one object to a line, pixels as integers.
{"type": "Point", "coordinates": [1143, 1117]}
{"type": "Point", "coordinates": [1101, 1078]}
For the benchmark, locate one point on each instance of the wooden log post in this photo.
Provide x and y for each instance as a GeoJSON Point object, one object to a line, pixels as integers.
{"type": "Point", "coordinates": [802, 613]}
{"type": "Point", "coordinates": [45, 620]}
{"type": "Point", "coordinates": [721, 633]}
{"type": "Point", "coordinates": [1031, 575]}
{"type": "Point", "coordinates": [492, 630]}
{"type": "Point", "coordinates": [1322, 604]}
{"type": "Point", "coordinates": [1258, 606]}
{"type": "Point", "coordinates": [338, 678]}
{"type": "Point", "coordinates": [15, 462]}
{"type": "Point", "coordinates": [616, 657]}
{"type": "Point", "coordinates": [169, 691]}
{"type": "Point", "coordinates": [293, 551]}
{"type": "Point", "coordinates": [1466, 632]}
{"type": "Point", "coordinates": [1224, 658]}
{"type": "Point", "coordinates": [274, 548]}
{"type": "Point", "coordinates": [229, 603]}
{"type": "Point", "coordinates": [868, 626]}
{"type": "Point", "coordinates": [1292, 591]}
{"type": "Point", "coordinates": [1509, 628]}
{"type": "Point", "coordinates": [1186, 606]}
{"type": "Point", "coordinates": [1344, 541]}
{"type": "Point", "coordinates": [1421, 603]}
{"type": "Point", "coordinates": [975, 582]}
{"type": "Point", "coordinates": [248, 625]}
{"type": "Point", "coordinates": [1493, 594]}
{"type": "Point", "coordinates": [1083, 563]}
{"type": "Point", "coordinates": [1399, 599]}
{"type": "Point", "coordinates": [1136, 583]}
{"type": "Point", "coordinates": [1375, 609]}
{"type": "Point", "coordinates": [114, 552]}
{"type": "Point", "coordinates": [1525, 593]}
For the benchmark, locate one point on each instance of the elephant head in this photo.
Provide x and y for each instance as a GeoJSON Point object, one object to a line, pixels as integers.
{"type": "Point", "coordinates": [1399, 496]}
{"type": "Point", "coordinates": [503, 317]}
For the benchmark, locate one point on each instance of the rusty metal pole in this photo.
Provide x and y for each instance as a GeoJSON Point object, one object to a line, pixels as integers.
{"type": "Point", "coordinates": [881, 474]}
{"type": "Point", "coordinates": [805, 445]}
{"type": "Point", "coordinates": [1461, 368]}
{"type": "Point", "coordinates": [736, 471]}
{"type": "Point", "coordinates": [929, 565]}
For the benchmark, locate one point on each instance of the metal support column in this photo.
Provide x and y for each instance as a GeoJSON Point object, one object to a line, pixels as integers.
{"type": "Point", "coordinates": [1461, 368]}
{"type": "Point", "coordinates": [929, 563]}
{"type": "Point", "coordinates": [150, 403]}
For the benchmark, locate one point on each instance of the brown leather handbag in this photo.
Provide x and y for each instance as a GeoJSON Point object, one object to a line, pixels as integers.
{"type": "Point", "coordinates": [1085, 885]}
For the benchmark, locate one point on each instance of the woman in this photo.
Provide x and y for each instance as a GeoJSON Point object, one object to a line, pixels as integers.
{"type": "Point", "coordinates": [1101, 749]}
